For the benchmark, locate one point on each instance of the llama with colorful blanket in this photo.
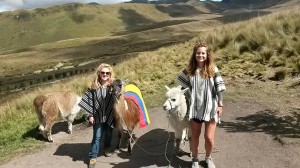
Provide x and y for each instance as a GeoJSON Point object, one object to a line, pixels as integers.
{"type": "Point", "coordinates": [129, 111]}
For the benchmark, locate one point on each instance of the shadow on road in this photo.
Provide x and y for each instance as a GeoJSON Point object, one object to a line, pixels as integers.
{"type": "Point", "coordinates": [76, 151]}
{"type": "Point", "coordinates": [153, 149]}
{"type": "Point", "coordinates": [266, 121]}
{"type": "Point", "coordinates": [61, 126]}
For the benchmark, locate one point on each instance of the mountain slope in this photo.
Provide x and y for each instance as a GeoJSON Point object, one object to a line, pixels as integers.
{"type": "Point", "coordinates": [25, 28]}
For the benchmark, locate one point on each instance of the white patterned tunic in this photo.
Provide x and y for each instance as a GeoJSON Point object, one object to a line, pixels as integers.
{"type": "Point", "coordinates": [204, 94]}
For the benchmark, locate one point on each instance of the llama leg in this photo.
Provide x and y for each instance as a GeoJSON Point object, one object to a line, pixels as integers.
{"type": "Point", "coordinates": [42, 125]}
{"type": "Point", "coordinates": [179, 142]}
{"type": "Point", "coordinates": [70, 127]}
{"type": "Point", "coordinates": [129, 142]}
{"type": "Point", "coordinates": [183, 139]}
{"type": "Point", "coordinates": [47, 131]}
{"type": "Point", "coordinates": [70, 120]}
{"type": "Point", "coordinates": [189, 136]}
{"type": "Point", "coordinates": [177, 145]}
{"type": "Point", "coordinates": [42, 128]}
{"type": "Point", "coordinates": [177, 139]}
{"type": "Point", "coordinates": [120, 137]}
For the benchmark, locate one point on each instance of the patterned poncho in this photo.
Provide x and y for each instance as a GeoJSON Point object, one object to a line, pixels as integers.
{"type": "Point", "coordinates": [99, 103]}
{"type": "Point", "coordinates": [203, 94]}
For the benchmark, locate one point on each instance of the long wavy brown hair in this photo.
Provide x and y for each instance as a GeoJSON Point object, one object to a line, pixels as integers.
{"type": "Point", "coordinates": [208, 70]}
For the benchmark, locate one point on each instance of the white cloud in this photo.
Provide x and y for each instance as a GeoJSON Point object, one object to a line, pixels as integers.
{"type": "Point", "coordinates": [28, 4]}
{"type": "Point", "coordinates": [12, 2]}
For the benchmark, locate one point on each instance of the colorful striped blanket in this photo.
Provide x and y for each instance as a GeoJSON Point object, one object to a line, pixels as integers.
{"type": "Point", "coordinates": [133, 92]}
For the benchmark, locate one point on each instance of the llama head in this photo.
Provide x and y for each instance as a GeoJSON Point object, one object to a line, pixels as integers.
{"type": "Point", "coordinates": [118, 88]}
{"type": "Point", "coordinates": [175, 99]}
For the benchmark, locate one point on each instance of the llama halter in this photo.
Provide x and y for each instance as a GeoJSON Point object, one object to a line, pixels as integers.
{"type": "Point", "coordinates": [172, 108]}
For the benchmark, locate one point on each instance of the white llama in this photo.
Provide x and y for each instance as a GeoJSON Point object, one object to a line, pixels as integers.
{"type": "Point", "coordinates": [176, 106]}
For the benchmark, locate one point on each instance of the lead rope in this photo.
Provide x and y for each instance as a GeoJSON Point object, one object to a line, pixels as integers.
{"type": "Point", "coordinates": [151, 153]}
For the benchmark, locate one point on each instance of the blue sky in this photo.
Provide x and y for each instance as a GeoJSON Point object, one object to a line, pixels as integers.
{"type": "Point", "coordinates": [8, 5]}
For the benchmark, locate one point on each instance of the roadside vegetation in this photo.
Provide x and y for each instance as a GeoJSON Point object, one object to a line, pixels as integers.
{"type": "Point", "coordinates": [262, 51]}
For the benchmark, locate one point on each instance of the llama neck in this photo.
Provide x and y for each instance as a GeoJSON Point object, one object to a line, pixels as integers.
{"type": "Point", "coordinates": [120, 105]}
{"type": "Point", "coordinates": [182, 109]}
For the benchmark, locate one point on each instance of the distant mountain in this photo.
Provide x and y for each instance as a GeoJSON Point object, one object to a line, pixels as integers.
{"type": "Point", "coordinates": [158, 1]}
{"type": "Point", "coordinates": [249, 1]}
{"type": "Point", "coordinates": [264, 3]}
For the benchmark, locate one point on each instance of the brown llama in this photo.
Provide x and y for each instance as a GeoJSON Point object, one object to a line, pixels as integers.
{"type": "Point", "coordinates": [126, 113]}
{"type": "Point", "coordinates": [49, 108]}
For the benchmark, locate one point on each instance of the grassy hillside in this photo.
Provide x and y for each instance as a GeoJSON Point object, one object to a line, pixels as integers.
{"type": "Point", "coordinates": [57, 33]}
{"type": "Point", "coordinates": [267, 47]}
{"type": "Point", "coordinates": [264, 50]}
{"type": "Point", "coordinates": [25, 28]}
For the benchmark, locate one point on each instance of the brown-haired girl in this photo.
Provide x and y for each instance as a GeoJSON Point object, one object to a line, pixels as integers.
{"type": "Point", "coordinates": [206, 86]}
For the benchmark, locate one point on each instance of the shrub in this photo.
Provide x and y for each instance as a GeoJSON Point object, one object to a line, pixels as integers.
{"type": "Point", "coordinates": [287, 28]}
{"type": "Point", "coordinates": [297, 29]}
{"type": "Point", "coordinates": [224, 41]}
{"type": "Point", "coordinates": [280, 75]}
{"type": "Point", "coordinates": [57, 75]}
{"type": "Point", "coordinates": [244, 48]}
{"type": "Point", "coordinates": [80, 18]}
{"type": "Point", "coordinates": [295, 65]}
{"type": "Point", "coordinates": [266, 54]}
{"type": "Point", "coordinates": [254, 45]}
{"type": "Point", "coordinates": [279, 46]}
{"type": "Point", "coordinates": [240, 38]}
{"type": "Point", "coordinates": [277, 62]}
{"type": "Point", "coordinates": [50, 77]}
{"type": "Point", "coordinates": [41, 11]}
{"type": "Point", "coordinates": [295, 38]}
{"type": "Point", "coordinates": [23, 15]}
{"type": "Point", "coordinates": [287, 52]}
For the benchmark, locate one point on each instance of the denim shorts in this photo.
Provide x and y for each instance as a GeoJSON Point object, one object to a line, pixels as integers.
{"type": "Point", "coordinates": [197, 120]}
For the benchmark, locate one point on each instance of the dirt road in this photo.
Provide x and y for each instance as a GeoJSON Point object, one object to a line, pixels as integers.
{"type": "Point", "coordinates": [244, 139]}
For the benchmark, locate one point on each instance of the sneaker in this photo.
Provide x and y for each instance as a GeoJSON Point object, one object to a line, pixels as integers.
{"type": "Point", "coordinates": [92, 163]}
{"type": "Point", "coordinates": [107, 154]}
{"type": "Point", "coordinates": [195, 163]}
{"type": "Point", "coordinates": [209, 162]}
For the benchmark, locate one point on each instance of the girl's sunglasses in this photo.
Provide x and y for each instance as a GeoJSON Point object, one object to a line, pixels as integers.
{"type": "Point", "coordinates": [105, 73]}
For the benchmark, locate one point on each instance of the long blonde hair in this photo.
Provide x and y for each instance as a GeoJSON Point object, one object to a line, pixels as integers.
{"type": "Point", "coordinates": [208, 70]}
{"type": "Point", "coordinates": [100, 67]}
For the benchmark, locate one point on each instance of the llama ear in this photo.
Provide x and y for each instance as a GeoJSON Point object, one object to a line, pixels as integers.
{"type": "Point", "coordinates": [184, 90]}
{"type": "Point", "coordinates": [125, 81]}
{"type": "Point", "coordinates": [167, 87]}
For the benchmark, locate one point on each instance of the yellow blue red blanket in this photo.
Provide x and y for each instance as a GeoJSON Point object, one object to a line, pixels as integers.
{"type": "Point", "coordinates": [133, 92]}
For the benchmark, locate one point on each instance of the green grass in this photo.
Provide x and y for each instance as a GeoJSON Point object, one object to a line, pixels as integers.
{"type": "Point", "coordinates": [150, 71]}
{"type": "Point", "coordinates": [18, 128]}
